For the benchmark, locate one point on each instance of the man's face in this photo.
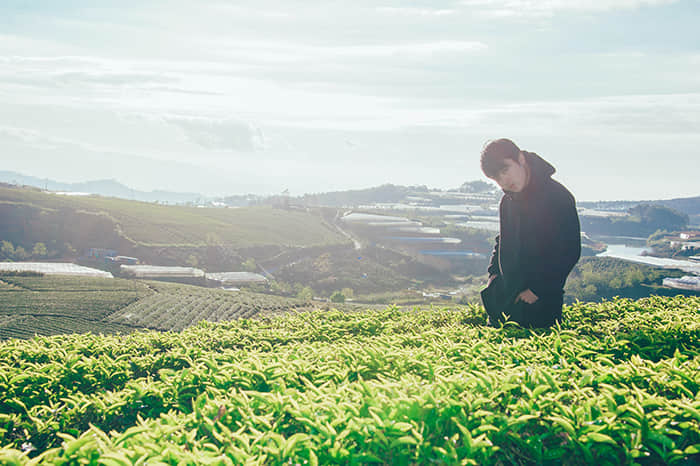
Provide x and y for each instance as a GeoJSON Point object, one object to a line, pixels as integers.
{"type": "Point", "coordinates": [513, 176]}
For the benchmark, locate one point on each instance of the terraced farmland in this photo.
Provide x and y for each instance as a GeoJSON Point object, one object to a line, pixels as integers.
{"type": "Point", "coordinates": [618, 383]}
{"type": "Point", "coordinates": [176, 307]}
{"type": "Point", "coordinates": [50, 305]}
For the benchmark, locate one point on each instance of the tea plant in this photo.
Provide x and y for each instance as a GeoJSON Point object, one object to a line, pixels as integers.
{"type": "Point", "coordinates": [616, 383]}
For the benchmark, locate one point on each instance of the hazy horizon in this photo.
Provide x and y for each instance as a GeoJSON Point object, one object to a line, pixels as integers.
{"type": "Point", "coordinates": [259, 97]}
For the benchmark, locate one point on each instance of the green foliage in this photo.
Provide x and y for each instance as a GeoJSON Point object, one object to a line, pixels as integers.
{"type": "Point", "coordinates": [373, 270]}
{"type": "Point", "coordinates": [337, 297]}
{"type": "Point", "coordinates": [34, 304]}
{"type": "Point", "coordinates": [305, 294]}
{"type": "Point", "coordinates": [596, 278]}
{"type": "Point", "coordinates": [39, 250]}
{"type": "Point", "coordinates": [20, 254]}
{"type": "Point", "coordinates": [7, 250]}
{"type": "Point", "coordinates": [112, 222]}
{"type": "Point", "coordinates": [20, 273]}
{"type": "Point", "coordinates": [192, 261]}
{"type": "Point", "coordinates": [47, 305]}
{"type": "Point", "coordinates": [477, 186]}
{"type": "Point", "coordinates": [617, 383]}
{"type": "Point", "coordinates": [249, 265]}
{"type": "Point", "coordinates": [176, 307]}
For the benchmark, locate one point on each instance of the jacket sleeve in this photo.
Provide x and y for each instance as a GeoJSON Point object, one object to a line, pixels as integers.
{"type": "Point", "coordinates": [561, 248]}
{"type": "Point", "coordinates": [494, 267]}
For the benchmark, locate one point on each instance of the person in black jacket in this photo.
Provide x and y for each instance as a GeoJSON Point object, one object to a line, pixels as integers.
{"type": "Point", "coordinates": [539, 241]}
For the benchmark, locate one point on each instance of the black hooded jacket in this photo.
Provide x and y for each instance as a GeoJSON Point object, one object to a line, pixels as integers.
{"type": "Point", "coordinates": [540, 238]}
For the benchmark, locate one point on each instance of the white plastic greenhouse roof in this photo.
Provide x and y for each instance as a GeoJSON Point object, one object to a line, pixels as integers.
{"type": "Point", "coordinates": [236, 277]}
{"type": "Point", "coordinates": [54, 268]}
{"type": "Point", "coordinates": [161, 271]}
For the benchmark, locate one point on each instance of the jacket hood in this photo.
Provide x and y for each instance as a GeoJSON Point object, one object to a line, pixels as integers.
{"type": "Point", "coordinates": [540, 171]}
{"type": "Point", "coordinates": [539, 167]}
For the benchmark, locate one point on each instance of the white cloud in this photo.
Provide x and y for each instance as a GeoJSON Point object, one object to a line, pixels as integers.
{"type": "Point", "coordinates": [221, 134]}
{"type": "Point", "coordinates": [304, 90]}
{"type": "Point", "coordinates": [416, 11]}
{"type": "Point", "coordinates": [545, 8]}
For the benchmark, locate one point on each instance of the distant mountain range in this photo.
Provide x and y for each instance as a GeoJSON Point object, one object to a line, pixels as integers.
{"type": "Point", "coordinates": [109, 188]}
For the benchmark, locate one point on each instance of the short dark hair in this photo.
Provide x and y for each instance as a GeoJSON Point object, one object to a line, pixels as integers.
{"type": "Point", "coordinates": [494, 155]}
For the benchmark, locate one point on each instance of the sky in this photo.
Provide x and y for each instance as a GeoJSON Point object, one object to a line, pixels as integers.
{"type": "Point", "coordinates": [233, 97]}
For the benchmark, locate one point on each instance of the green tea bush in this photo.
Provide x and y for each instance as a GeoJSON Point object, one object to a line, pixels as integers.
{"type": "Point", "coordinates": [616, 383]}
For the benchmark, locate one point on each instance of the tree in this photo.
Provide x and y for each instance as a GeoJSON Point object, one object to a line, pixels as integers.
{"type": "Point", "coordinates": [20, 253]}
{"type": "Point", "coordinates": [249, 265]}
{"type": "Point", "coordinates": [477, 186]}
{"type": "Point", "coordinates": [39, 250]}
{"type": "Point", "coordinates": [306, 293]}
{"type": "Point", "coordinates": [7, 249]}
{"type": "Point", "coordinates": [349, 293]}
{"type": "Point", "coordinates": [337, 297]}
{"type": "Point", "coordinates": [192, 261]}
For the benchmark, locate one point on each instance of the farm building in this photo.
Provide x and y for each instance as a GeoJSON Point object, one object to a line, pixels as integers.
{"type": "Point", "coordinates": [53, 268]}
{"type": "Point", "coordinates": [234, 278]}
{"type": "Point", "coordinates": [188, 275]}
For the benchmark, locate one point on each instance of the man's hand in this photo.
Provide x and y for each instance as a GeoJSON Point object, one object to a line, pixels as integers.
{"type": "Point", "coordinates": [491, 278]}
{"type": "Point", "coordinates": [527, 296]}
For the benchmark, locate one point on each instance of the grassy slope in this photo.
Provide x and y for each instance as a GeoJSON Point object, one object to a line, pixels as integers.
{"type": "Point", "coordinates": [57, 305]}
{"type": "Point", "coordinates": [152, 224]}
{"type": "Point", "coordinates": [617, 384]}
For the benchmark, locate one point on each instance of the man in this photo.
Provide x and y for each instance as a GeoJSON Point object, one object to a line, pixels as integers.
{"type": "Point", "coordinates": [539, 242]}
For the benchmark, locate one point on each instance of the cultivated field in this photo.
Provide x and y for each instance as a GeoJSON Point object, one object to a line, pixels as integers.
{"type": "Point", "coordinates": [616, 384]}
{"type": "Point", "coordinates": [151, 225]}
{"type": "Point", "coordinates": [50, 305]}
{"type": "Point", "coordinates": [176, 307]}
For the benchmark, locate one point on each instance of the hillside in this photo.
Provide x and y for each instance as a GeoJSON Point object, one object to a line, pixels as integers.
{"type": "Point", "coordinates": [158, 225]}
{"type": "Point", "coordinates": [617, 384]}
{"type": "Point", "coordinates": [218, 238]}
{"type": "Point", "coordinates": [51, 305]}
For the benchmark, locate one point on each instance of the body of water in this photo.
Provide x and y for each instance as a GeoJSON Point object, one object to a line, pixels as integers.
{"type": "Point", "coordinates": [634, 254]}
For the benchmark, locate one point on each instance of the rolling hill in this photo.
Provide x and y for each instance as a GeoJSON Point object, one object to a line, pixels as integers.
{"type": "Point", "coordinates": [217, 238]}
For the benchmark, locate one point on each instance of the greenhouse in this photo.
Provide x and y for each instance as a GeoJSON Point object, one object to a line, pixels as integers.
{"type": "Point", "coordinates": [53, 268]}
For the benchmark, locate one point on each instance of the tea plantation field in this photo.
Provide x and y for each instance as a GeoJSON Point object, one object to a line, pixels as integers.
{"type": "Point", "coordinates": [617, 383]}
{"type": "Point", "coordinates": [50, 305]}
